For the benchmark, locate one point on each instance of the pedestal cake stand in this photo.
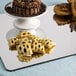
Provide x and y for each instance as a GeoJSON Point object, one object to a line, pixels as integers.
{"type": "Point", "coordinates": [30, 24]}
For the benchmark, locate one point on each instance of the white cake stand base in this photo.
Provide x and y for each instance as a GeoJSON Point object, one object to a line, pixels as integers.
{"type": "Point", "coordinates": [27, 23]}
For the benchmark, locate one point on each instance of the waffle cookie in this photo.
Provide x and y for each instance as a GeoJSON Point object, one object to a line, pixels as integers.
{"type": "Point", "coordinates": [73, 7]}
{"type": "Point", "coordinates": [23, 58]}
{"type": "Point", "coordinates": [23, 34]}
{"type": "Point", "coordinates": [29, 46]}
{"type": "Point", "coordinates": [13, 42]}
{"type": "Point", "coordinates": [49, 45]}
{"type": "Point", "coordinates": [62, 20]}
{"type": "Point", "coordinates": [62, 9]}
{"type": "Point", "coordinates": [25, 49]}
{"type": "Point", "coordinates": [38, 47]}
{"type": "Point", "coordinates": [37, 55]}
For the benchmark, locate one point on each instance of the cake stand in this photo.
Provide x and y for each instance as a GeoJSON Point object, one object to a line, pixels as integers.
{"type": "Point", "coordinates": [30, 24]}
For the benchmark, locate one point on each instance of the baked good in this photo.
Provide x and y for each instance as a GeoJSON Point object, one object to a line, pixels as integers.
{"type": "Point", "coordinates": [38, 47]}
{"type": "Point", "coordinates": [73, 7]}
{"type": "Point", "coordinates": [73, 26]}
{"type": "Point", "coordinates": [70, 1]}
{"type": "Point", "coordinates": [37, 55]}
{"type": "Point", "coordinates": [25, 49]}
{"type": "Point", "coordinates": [49, 45]}
{"type": "Point", "coordinates": [30, 46]}
{"type": "Point", "coordinates": [62, 9]}
{"type": "Point", "coordinates": [65, 13]}
{"type": "Point", "coordinates": [25, 41]}
{"type": "Point", "coordinates": [23, 58]}
{"type": "Point", "coordinates": [62, 20]}
{"type": "Point", "coordinates": [26, 7]}
{"type": "Point", "coordinates": [13, 42]}
{"type": "Point", "coordinates": [34, 38]}
{"type": "Point", "coordinates": [23, 34]}
{"type": "Point", "coordinates": [49, 50]}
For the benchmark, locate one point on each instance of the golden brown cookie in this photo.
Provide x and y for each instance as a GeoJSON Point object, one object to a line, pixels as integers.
{"type": "Point", "coordinates": [24, 58]}
{"type": "Point", "coordinates": [13, 42]}
{"type": "Point", "coordinates": [25, 40]}
{"type": "Point", "coordinates": [62, 9]}
{"type": "Point", "coordinates": [73, 7]}
{"type": "Point", "coordinates": [41, 48]}
{"type": "Point", "coordinates": [61, 20]}
{"type": "Point", "coordinates": [25, 49]}
{"type": "Point", "coordinates": [23, 34]}
{"type": "Point", "coordinates": [37, 47]}
{"type": "Point", "coordinates": [70, 1]}
{"type": "Point", "coordinates": [37, 55]}
{"type": "Point", "coordinates": [49, 45]}
{"type": "Point", "coordinates": [49, 50]}
{"type": "Point", "coordinates": [34, 38]}
{"type": "Point", "coordinates": [30, 46]}
{"type": "Point", "coordinates": [34, 46]}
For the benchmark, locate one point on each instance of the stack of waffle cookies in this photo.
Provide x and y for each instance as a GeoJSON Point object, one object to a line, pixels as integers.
{"type": "Point", "coordinates": [30, 46]}
{"type": "Point", "coordinates": [65, 13]}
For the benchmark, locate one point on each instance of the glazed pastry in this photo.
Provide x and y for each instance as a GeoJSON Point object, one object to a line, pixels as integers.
{"type": "Point", "coordinates": [62, 9]}
{"type": "Point", "coordinates": [61, 20]}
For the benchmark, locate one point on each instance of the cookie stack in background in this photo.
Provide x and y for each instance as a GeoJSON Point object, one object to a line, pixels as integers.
{"type": "Point", "coordinates": [65, 13]}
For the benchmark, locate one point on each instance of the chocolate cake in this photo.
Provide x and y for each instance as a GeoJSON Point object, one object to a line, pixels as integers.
{"type": "Point", "coordinates": [26, 7]}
